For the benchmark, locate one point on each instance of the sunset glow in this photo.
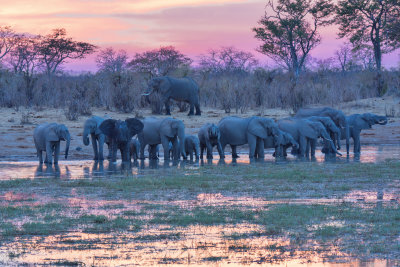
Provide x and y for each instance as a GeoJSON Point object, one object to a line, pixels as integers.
{"type": "Point", "coordinates": [193, 27]}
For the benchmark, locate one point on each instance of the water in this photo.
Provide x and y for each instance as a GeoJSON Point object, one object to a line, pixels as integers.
{"type": "Point", "coordinates": [79, 169]}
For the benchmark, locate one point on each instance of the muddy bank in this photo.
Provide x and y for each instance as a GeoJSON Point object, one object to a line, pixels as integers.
{"type": "Point", "coordinates": [16, 127]}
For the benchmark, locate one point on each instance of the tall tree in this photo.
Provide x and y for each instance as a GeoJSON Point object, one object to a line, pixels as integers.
{"type": "Point", "coordinates": [370, 22]}
{"type": "Point", "coordinates": [227, 59]}
{"type": "Point", "coordinates": [289, 30]}
{"type": "Point", "coordinates": [109, 60]}
{"type": "Point", "coordinates": [7, 40]}
{"type": "Point", "coordinates": [159, 62]}
{"type": "Point", "coordinates": [56, 48]}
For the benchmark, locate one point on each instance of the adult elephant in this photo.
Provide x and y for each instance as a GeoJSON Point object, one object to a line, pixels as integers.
{"type": "Point", "coordinates": [302, 130]}
{"type": "Point", "coordinates": [120, 134]}
{"type": "Point", "coordinates": [180, 89]}
{"type": "Point", "coordinates": [252, 131]}
{"type": "Point", "coordinates": [337, 116]}
{"type": "Point", "coordinates": [47, 138]}
{"type": "Point", "coordinates": [91, 127]}
{"type": "Point", "coordinates": [163, 131]}
{"type": "Point", "coordinates": [358, 122]}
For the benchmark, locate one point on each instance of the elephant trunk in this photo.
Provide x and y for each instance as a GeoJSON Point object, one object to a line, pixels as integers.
{"type": "Point", "coordinates": [347, 132]}
{"type": "Point", "coordinates": [85, 136]}
{"type": "Point", "coordinates": [181, 137]}
{"type": "Point", "coordinates": [68, 139]}
{"type": "Point", "coordinates": [333, 147]}
{"type": "Point", "coordinates": [338, 137]}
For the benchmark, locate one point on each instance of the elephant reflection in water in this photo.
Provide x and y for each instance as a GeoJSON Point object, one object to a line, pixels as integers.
{"type": "Point", "coordinates": [48, 170]}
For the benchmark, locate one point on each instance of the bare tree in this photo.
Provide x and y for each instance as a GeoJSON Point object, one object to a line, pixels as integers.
{"type": "Point", "coordinates": [227, 59]}
{"type": "Point", "coordinates": [290, 30]}
{"type": "Point", "coordinates": [25, 60]}
{"type": "Point", "coordinates": [56, 48]}
{"type": "Point", "coordinates": [109, 60]}
{"type": "Point", "coordinates": [7, 40]}
{"type": "Point", "coordinates": [344, 56]}
{"type": "Point", "coordinates": [370, 22]}
{"type": "Point", "coordinates": [159, 62]}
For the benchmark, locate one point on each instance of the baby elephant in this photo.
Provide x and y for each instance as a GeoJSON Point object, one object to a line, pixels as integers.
{"type": "Point", "coordinates": [47, 138]}
{"type": "Point", "coordinates": [192, 146]}
{"type": "Point", "coordinates": [134, 148]}
{"type": "Point", "coordinates": [209, 136]}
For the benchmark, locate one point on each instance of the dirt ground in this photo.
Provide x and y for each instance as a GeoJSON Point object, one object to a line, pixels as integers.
{"type": "Point", "coordinates": [16, 127]}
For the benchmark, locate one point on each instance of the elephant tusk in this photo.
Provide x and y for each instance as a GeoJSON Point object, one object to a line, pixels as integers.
{"type": "Point", "coordinates": [146, 94]}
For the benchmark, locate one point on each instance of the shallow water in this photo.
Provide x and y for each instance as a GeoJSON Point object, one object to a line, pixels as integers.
{"type": "Point", "coordinates": [79, 169]}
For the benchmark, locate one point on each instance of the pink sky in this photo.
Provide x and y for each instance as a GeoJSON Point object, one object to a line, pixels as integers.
{"type": "Point", "coordinates": [193, 27]}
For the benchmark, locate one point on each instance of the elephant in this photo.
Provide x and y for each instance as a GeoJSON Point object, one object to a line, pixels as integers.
{"type": "Point", "coordinates": [91, 127]}
{"type": "Point", "coordinates": [301, 130]}
{"type": "Point", "coordinates": [47, 137]}
{"type": "Point", "coordinates": [239, 131]}
{"type": "Point", "coordinates": [162, 131]}
{"type": "Point", "coordinates": [120, 134]}
{"type": "Point", "coordinates": [280, 148]}
{"type": "Point", "coordinates": [192, 146]}
{"type": "Point", "coordinates": [209, 136]}
{"type": "Point", "coordinates": [179, 89]}
{"type": "Point", "coordinates": [337, 116]}
{"type": "Point", "coordinates": [332, 129]}
{"type": "Point", "coordinates": [358, 122]}
{"type": "Point", "coordinates": [134, 148]}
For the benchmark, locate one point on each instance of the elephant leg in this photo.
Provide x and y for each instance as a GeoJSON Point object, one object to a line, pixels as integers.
{"type": "Point", "coordinates": [56, 152]}
{"type": "Point", "coordinates": [308, 144]}
{"type": "Point", "coordinates": [39, 153]}
{"type": "Point", "coordinates": [165, 144]}
{"type": "Point", "coordinates": [142, 146]}
{"type": "Point", "coordinates": [191, 109]}
{"type": "Point", "coordinates": [125, 152]}
{"type": "Point", "coordinates": [252, 141]}
{"type": "Point", "coordinates": [202, 147]}
{"type": "Point", "coordinates": [220, 151]}
{"type": "Point", "coordinates": [191, 151]}
{"type": "Point", "coordinates": [198, 112]}
{"type": "Point", "coordinates": [101, 140]}
{"type": "Point", "coordinates": [114, 148]}
{"type": "Point", "coordinates": [94, 145]}
{"type": "Point", "coordinates": [234, 153]}
{"type": "Point", "coordinates": [209, 150]}
{"type": "Point", "coordinates": [357, 145]}
{"type": "Point", "coordinates": [313, 143]}
{"type": "Point", "coordinates": [49, 153]}
{"type": "Point", "coordinates": [260, 148]}
{"type": "Point", "coordinates": [167, 108]}
{"type": "Point", "coordinates": [302, 146]}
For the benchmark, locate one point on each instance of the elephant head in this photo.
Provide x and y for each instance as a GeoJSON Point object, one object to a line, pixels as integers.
{"type": "Point", "coordinates": [60, 132]}
{"type": "Point", "coordinates": [157, 84]}
{"type": "Point", "coordinates": [213, 132]}
{"type": "Point", "coordinates": [121, 131]}
{"type": "Point", "coordinates": [370, 119]}
{"type": "Point", "coordinates": [288, 139]}
{"type": "Point", "coordinates": [320, 131]}
{"type": "Point", "coordinates": [264, 127]}
{"type": "Point", "coordinates": [175, 128]}
{"type": "Point", "coordinates": [90, 127]}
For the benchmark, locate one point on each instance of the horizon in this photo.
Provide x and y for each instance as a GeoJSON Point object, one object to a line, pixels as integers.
{"type": "Point", "coordinates": [138, 26]}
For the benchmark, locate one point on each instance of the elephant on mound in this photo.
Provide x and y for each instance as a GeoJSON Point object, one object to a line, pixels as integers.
{"type": "Point", "coordinates": [47, 137]}
{"type": "Point", "coordinates": [237, 131]}
{"type": "Point", "coordinates": [337, 117]}
{"type": "Point", "coordinates": [358, 122]}
{"type": "Point", "coordinates": [163, 131]}
{"type": "Point", "coordinates": [120, 134]}
{"type": "Point", "coordinates": [91, 127]}
{"type": "Point", "coordinates": [303, 130]}
{"type": "Point", "coordinates": [180, 89]}
{"type": "Point", "coordinates": [209, 136]}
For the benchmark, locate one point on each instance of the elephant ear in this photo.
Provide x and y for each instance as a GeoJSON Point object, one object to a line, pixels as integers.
{"type": "Point", "coordinates": [135, 126]}
{"type": "Point", "coordinates": [170, 128]}
{"type": "Point", "coordinates": [107, 127]}
{"type": "Point", "coordinates": [257, 128]}
{"type": "Point", "coordinates": [53, 134]}
{"type": "Point", "coordinates": [314, 130]}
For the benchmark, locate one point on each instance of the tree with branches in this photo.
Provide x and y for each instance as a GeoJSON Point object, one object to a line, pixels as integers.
{"type": "Point", "coordinates": [373, 23]}
{"type": "Point", "coordinates": [289, 31]}
{"type": "Point", "coordinates": [56, 48]}
{"type": "Point", "coordinates": [8, 39]}
{"type": "Point", "coordinates": [159, 62]}
{"type": "Point", "coordinates": [111, 61]}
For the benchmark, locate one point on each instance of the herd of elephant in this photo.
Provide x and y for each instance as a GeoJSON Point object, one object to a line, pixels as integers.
{"type": "Point", "coordinates": [300, 132]}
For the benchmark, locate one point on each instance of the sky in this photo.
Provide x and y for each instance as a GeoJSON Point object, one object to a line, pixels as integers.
{"type": "Point", "coordinates": [192, 26]}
